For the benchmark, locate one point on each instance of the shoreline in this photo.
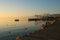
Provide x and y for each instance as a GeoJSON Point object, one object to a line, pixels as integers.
{"type": "Point", "coordinates": [49, 32]}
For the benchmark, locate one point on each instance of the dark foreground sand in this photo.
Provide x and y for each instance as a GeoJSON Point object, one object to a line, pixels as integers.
{"type": "Point", "coordinates": [50, 32]}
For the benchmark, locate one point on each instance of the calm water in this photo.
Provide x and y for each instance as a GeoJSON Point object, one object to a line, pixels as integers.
{"type": "Point", "coordinates": [9, 29]}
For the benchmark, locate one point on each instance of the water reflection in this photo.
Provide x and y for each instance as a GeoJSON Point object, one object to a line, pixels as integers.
{"type": "Point", "coordinates": [37, 22]}
{"type": "Point", "coordinates": [11, 29]}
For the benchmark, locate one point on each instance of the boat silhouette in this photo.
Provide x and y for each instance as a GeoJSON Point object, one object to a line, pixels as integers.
{"type": "Point", "coordinates": [16, 19]}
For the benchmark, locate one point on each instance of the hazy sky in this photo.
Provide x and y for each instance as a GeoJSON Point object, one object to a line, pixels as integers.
{"type": "Point", "coordinates": [28, 7]}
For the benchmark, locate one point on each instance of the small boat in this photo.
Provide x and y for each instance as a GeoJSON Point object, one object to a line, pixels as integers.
{"type": "Point", "coordinates": [16, 19]}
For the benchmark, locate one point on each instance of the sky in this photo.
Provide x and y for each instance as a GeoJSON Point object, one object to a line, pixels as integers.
{"type": "Point", "coordinates": [14, 8]}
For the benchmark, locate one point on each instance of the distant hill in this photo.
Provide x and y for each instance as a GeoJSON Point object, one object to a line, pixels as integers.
{"type": "Point", "coordinates": [56, 15]}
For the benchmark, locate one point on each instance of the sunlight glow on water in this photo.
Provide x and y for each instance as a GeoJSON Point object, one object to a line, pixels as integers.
{"type": "Point", "coordinates": [11, 28]}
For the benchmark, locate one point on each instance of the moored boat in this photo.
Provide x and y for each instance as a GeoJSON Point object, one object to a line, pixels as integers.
{"type": "Point", "coordinates": [16, 19]}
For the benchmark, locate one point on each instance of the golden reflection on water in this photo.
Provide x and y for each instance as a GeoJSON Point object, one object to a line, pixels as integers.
{"type": "Point", "coordinates": [23, 27]}
{"type": "Point", "coordinates": [7, 23]}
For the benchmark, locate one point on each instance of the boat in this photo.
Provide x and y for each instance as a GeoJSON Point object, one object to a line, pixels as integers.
{"type": "Point", "coordinates": [16, 19]}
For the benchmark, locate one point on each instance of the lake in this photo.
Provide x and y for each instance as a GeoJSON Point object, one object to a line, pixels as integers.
{"type": "Point", "coordinates": [9, 28]}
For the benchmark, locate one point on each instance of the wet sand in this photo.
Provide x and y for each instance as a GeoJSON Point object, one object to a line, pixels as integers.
{"type": "Point", "coordinates": [49, 32]}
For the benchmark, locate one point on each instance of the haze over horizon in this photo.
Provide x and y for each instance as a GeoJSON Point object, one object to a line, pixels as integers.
{"type": "Point", "coordinates": [21, 8]}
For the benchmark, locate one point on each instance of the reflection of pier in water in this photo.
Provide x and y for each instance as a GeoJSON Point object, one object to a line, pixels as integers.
{"type": "Point", "coordinates": [37, 22]}
{"type": "Point", "coordinates": [41, 24]}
